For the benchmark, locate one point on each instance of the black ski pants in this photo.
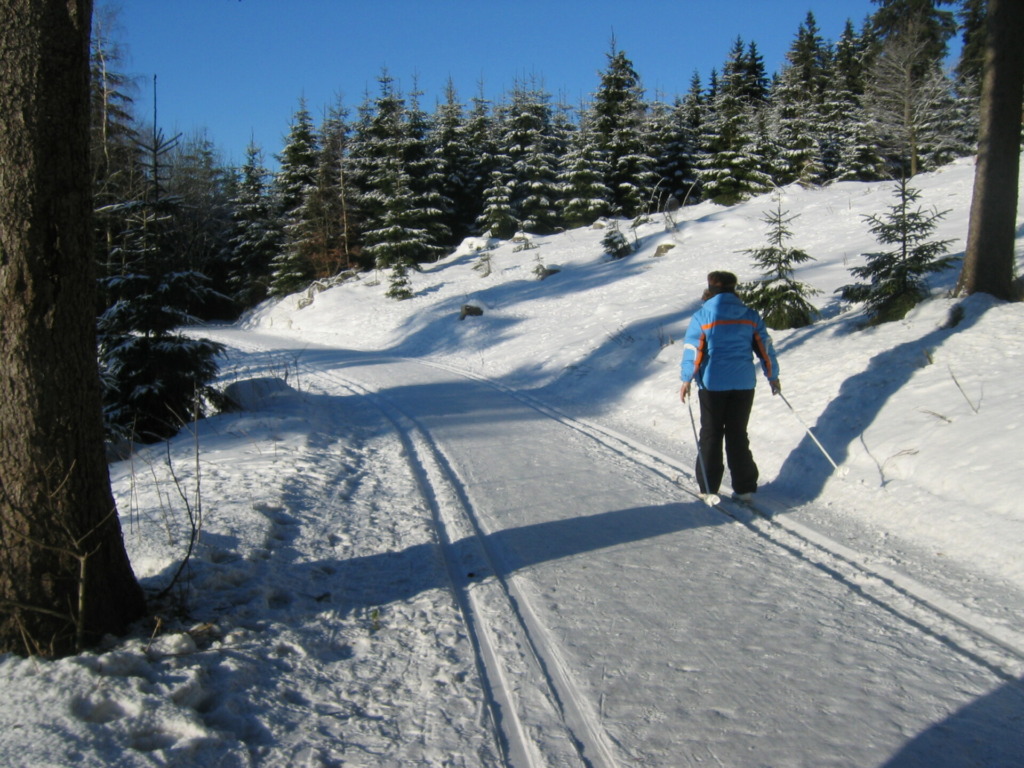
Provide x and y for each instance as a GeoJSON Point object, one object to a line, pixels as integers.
{"type": "Point", "coordinates": [723, 417]}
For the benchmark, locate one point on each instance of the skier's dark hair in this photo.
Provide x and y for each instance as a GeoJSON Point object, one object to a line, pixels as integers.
{"type": "Point", "coordinates": [721, 282]}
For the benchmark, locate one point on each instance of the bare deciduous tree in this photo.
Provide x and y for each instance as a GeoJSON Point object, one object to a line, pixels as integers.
{"type": "Point", "coordinates": [904, 92]}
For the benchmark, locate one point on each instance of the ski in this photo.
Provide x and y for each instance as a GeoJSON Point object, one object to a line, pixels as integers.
{"type": "Point", "coordinates": [752, 505]}
{"type": "Point", "coordinates": [722, 502]}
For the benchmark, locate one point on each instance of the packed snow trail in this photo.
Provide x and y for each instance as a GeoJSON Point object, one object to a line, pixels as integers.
{"type": "Point", "coordinates": [646, 628]}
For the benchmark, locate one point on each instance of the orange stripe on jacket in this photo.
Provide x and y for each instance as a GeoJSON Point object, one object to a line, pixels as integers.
{"type": "Point", "coordinates": [698, 355]}
{"type": "Point", "coordinates": [728, 322]}
{"type": "Point", "coordinates": [762, 352]}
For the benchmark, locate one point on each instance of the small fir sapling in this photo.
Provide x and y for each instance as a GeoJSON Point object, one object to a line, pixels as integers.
{"type": "Point", "coordinates": [781, 300]}
{"type": "Point", "coordinates": [896, 277]}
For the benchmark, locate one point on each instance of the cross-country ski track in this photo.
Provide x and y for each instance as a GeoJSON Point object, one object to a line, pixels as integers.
{"type": "Point", "coordinates": [616, 620]}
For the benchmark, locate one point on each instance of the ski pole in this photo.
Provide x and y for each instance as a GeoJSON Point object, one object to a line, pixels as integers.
{"type": "Point", "coordinates": [809, 432]}
{"type": "Point", "coordinates": [711, 499]}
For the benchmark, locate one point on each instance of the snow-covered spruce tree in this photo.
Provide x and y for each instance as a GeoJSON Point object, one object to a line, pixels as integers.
{"type": "Point", "coordinates": [402, 226]}
{"type": "Point", "coordinates": [482, 147]}
{"type": "Point", "coordinates": [781, 299]}
{"type": "Point", "coordinates": [693, 112]}
{"type": "Point", "coordinates": [734, 164]}
{"type": "Point", "coordinates": [615, 243]}
{"type": "Point", "coordinates": [397, 242]}
{"type": "Point", "coordinates": [584, 195]}
{"type": "Point", "coordinates": [293, 267]}
{"type": "Point", "coordinates": [497, 216]}
{"type": "Point", "coordinates": [457, 165]}
{"type": "Point", "coordinates": [673, 143]}
{"type": "Point", "coordinates": [840, 102]}
{"type": "Point", "coordinates": [950, 130]}
{"type": "Point", "coordinates": [860, 158]}
{"type": "Point", "coordinates": [527, 141]}
{"type": "Point", "coordinates": [854, 148]}
{"type": "Point", "coordinates": [155, 378]}
{"type": "Point", "coordinates": [796, 100]}
{"type": "Point", "coordinates": [256, 235]}
{"type": "Point", "coordinates": [431, 207]}
{"type": "Point", "coordinates": [896, 277]}
{"type": "Point", "coordinates": [522, 192]}
{"type": "Point", "coordinates": [618, 118]}
{"type": "Point", "coordinates": [564, 124]}
{"type": "Point", "coordinates": [204, 187]}
{"type": "Point", "coordinates": [732, 168]}
{"type": "Point", "coordinates": [797, 134]}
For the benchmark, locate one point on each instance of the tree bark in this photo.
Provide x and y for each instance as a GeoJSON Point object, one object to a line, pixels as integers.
{"type": "Point", "coordinates": [65, 578]}
{"type": "Point", "coordinates": [988, 264]}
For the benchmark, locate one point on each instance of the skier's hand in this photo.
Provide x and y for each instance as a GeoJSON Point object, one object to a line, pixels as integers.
{"type": "Point", "coordinates": [776, 386]}
{"type": "Point", "coordinates": [684, 391]}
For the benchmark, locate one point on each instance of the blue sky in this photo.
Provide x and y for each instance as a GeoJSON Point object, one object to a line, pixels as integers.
{"type": "Point", "coordinates": [238, 68]}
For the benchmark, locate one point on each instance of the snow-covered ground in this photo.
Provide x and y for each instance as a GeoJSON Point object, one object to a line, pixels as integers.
{"type": "Point", "coordinates": [443, 542]}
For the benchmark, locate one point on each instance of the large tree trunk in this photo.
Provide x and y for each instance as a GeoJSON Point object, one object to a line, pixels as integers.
{"type": "Point", "coordinates": [988, 265]}
{"type": "Point", "coordinates": [65, 578]}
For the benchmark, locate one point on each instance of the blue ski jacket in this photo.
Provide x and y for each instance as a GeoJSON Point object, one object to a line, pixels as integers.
{"type": "Point", "coordinates": [721, 341]}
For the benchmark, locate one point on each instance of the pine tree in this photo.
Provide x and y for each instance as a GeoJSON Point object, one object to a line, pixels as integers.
{"type": "Point", "coordinates": [618, 121]}
{"type": "Point", "coordinates": [732, 168]}
{"type": "Point", "coordinates": [523, 190]}
{"type": "Point", "coordinates": [841, 154]}
{"type": "Point", "coordinates": [402, 226]}
{"type": "Point", "coordinates": [326, 222]}
{"type": "Point", "coordinates": [672, 143]}
{"type": "Point", "coordinates": [615, 243]}
{"type": "Point", "coordinates": [293, 267]}
{"type": "Point", "coordinates": [925, 21]}
{"type": "Point", "coordinates": [256, 235]}
{"type": "Point", "coordinates": [398, 243]}
{"type": "Point", "coordinates": [482, 147]}
{"type": "Point", "coordinates": [751, 77]}
{"type": "Point", "coordinates": [896, 277]}
{"type": "Point", "coordinates": [457, 164]}
{"type": "Point", "coordinates": [202, 186]}
{"type": "Point", "coordinates": [797, 133]}
{"type": "Point", "coordinates": [972, 53]}
{"type": "Point", "coordinates": [796, 106]}
{"type": "Point", "coordinates": [431, 207]}
{"type": "Point", "coordinates": [781, 300]}
{"type": "Point", "coordinates": [162, 220]}
{"type": "Point", "coordinates": [694, 115]}
{"type": "Point", "coordinates": [735, 137]}
{"type": "Point", "coordinates": [297, 160]}
{"type": "Point", "coordinates": [498, 218]}
{"type": "Point", "coordinates": [584, 195]}
{"type": "Point", "coordinates": [155, 378]}
{"type": "Point", "coordinates": [530, 140]}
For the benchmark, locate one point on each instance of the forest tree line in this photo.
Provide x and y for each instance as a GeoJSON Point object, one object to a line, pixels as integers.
{"type": "Point", "coordinates": [390, 186]}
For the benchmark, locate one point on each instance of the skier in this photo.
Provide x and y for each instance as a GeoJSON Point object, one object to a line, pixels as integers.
{"type": "Point", "coordinates": [721, 340]}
